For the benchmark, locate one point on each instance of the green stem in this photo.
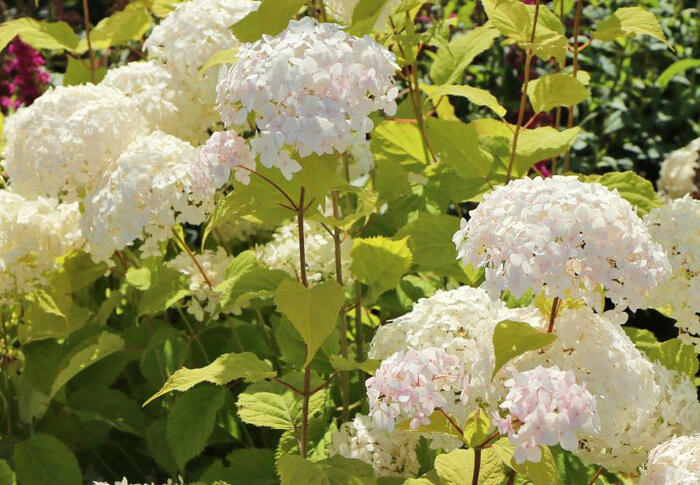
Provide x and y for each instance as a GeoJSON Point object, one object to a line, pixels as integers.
{"type": "Point", "coordinates": [86, 17]}
{"type": "Point", "coordinates": [570, 121]}
{"type": "Point", "coordinates": [342, 324]}
{"type": "Point", "coordinates": [306, 392]}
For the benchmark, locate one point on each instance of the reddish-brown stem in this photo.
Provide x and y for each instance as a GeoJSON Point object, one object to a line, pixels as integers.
{"type": "Point", "coordinates": [477, 465]}
{"type": "Point", "coordinates": [452, 422]}
{"type": "Point", "coordinates": [272, 182]}
{"type": "Point", "coordinates": [570, 121]}
{"type": "Point", "coordinates": [86, 17]}
{"type": "Point", "coordinates": [596, 475]}
{"type": "Point", "coordinates": [306, 393]}
{"type": "Point", "coordinates": [342, 324]}
{"type": "Point", "coordinates": [287, 385]}
{"type": "Point", "coordinates": [523, 94]}
{"type": "Point", "coordinates": [512, 473]}
{"type": "Point", "coordinates": [194, 259]}
{"type": "Point", "coordinates": [122, 260]}
{"type": "Point", "coordinates": [325, 384]}
{"type": "Point", "coordinates": [553, 314]}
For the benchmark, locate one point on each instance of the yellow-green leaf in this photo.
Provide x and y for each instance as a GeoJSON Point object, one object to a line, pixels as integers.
{"type": "Point", "coordinates": [450, 61]}
{"type": "Point", "coordinates": [675, 69]}
{"type": "Point", "coordinates": [629, 21]}
{"type": "Point", "coordinates": [457, 467]}
{"type": "Point", "coordinates": [120, 27]}
{"type": "Point", "coordinates": [380, 262]}
{"type": "Point", "coordinates": [40, 35]}
{"type": "Point", "coordinates": [225, 56]}
{"type": "Point", "coordinates": [555, 90]}
{"type": "Point", "coordinates": [224, 369]}
{"type": "Point", "coordinates": [477, 96]}
{"type": "Point", "coordinates": [511, 339]}
{"type": "Point", "coordinates": [343, 364]}
{"type": "Point", "coordinates": [313, 311]}
{"type": "Point", "coordinates": [337, 470]}
{"type": "Point", "coordinates": [270, 18]}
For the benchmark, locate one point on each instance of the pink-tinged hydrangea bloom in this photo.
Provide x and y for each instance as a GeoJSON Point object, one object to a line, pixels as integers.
{"type": "Point", "coordinates": [545, 407]}
{"type": "Point", "coordinates": [566, 237]}
{"type": "Point", "coordinates": [225, 151]}
{"type": "Point", "coordinates": [24, 66]}
{"type": "Point", "coordinates": [675, 462]}
{"type": "Point", "coordinates": [311, 88]}
{"type": "Point", "coordinates": [412, 384]}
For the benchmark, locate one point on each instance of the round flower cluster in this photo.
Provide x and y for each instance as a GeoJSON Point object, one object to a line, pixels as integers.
{"type": "Point", "coordinates": [153, 187]}
{"type": "Point", "coordinates": [545, 407]}
{"type": "Point", "coordinates": [283, 252]}
{"type": "Point", "coordinates": [391, 453]}
{"type": "Point", "coordinates": [24, 67]}
{"type": "Point", "coordinates": [33, 234]}
{"type": "Point", "coordinates": [563, 236]}
{"type": "Point", "coordinates": [151, 88]}
{"type": "Point", "coordinates": [182, 50]}
{"type": "Point", "coordinates": [225, 151]}
{"type": "Point", "coordinates": [675, 462]}
{"type": "Point", "coordinates": [639, 403]}
{"type": "Point", "coordinates": [676, 226]}
{"type": "Point", "coordinates": [312, 88]}
{"type": "Point", "coordinates": [63, 143]}
{"type": "Point", "coordinates": [412, 384]}
{"type": "Point", "coordinates": [204, 300]}
{"type": "Point", "coordinates": [680, 172]}
{"type": "Point", "coordinates": [360, 163]}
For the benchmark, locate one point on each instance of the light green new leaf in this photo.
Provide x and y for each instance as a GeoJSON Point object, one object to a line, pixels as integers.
{"type": "Point", "coordinates": [313, 311]}
{"type": "Point", "coordinates": [365, 16]}
{"type": "Point", "coordinates": [477, 96]}
{"type": "Point", "coordinates": [676, 355]}
{"type": "Point", "coordinates": [224, 369]}
{"type": "Point", "coordinates": [343, 364]}
{"type": "Point", "coordinates": [276, 411]}
{"type": "Point", "coordinates": [675, 69]}
{"type": "Point", "coordinates": [44, 460]}
{"type": "Point", "coordinates": [477, 427]}
{"type": "Point", "coordinates": [457, 144]}
{"type": "Point", "coordinates": [401, 142]}
{"type": "Point", "coordinates": [629, 21]}
{"type": "Point", "coordinates": [270, 18]}
{"type": "Point", "coordinates": [635, 189]}
{"type": "Point", "coordinates": [543, 472]}
{"type": "Point", "coordinates": [119, 28]}
{"type": "Point", "coordinates": [555, 90]}
{"type": "Point", "coordinates": [225, 56]}
{"type": "Point", "coordinates": [167, 287]}
{"type": "Point", "coordinates": [457, 467]}
{"type": "Point", "coordinates": [541, 143]}
{"type": "Point", "coordinates": [511, 339]}
{"type": "Point", "coordinates": [191, 420]}
{"type": "Point", "coordinates": [139, 278]}
{"type": "Point", "coordinates": [78, 72]}
{"type": "Point", "coordinates": [162, 8]}
{"type": "Point", "coordinates": [40, 35]}
{"type": "Point", "coordinates": [246, 278]}
{"type": "Point", "coordinates": [337, 470]}
{"type": "Point", "coordinates": [438, 424]}
{"type": "Point", "coordinates": [380, 262]}
{"type": "Point", "coordinates": [7, 476]}
{"type": "Point", "coordinates": [450, 62]}
{"type": "Point", "coordinates": [84, 355]}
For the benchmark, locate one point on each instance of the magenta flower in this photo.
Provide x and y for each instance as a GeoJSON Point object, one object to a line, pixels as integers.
{"type": "Point", "coordinates": [25, 76]}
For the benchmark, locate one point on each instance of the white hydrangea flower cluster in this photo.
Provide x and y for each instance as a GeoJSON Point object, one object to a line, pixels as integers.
{"type": "Point", "coordinates": [223, 152]}
{"type": "Point", "coordinates": [676, 226]}
{"type": "Point", "coordinates": [639, 403]}
{"type": "Point", "coordinates": [154, 187]}
{"type": "Point", "coordinates": [283, 252]}
{"type": "Point", "coordinates": [33, 234]}
{"type": "Point", "coordinates": [63, 143]}
{"type": "Point", "coordinates": [391, 453]}
{"type": "Point", "coordinates": [360, 163]}
{"type": "Point", "coordinates": [545, 406]}
{"type": "Point", "coordinates": [412, 384]}
{"type": "Point", "coordinates": [182, 43]}
{"type": "Point", "coordinates": [150, 86]}
{"type": "Point", "coordinates": [675, 462]}
{"type": "Point", "coordinates": [460, 321]}
{"type": "Point", "coordinates": [680, 172]}
{"type": "Point", "coordinates": [312, 88]}
{"type": "Point", "coordinates": [204, 300]}
{"type": "Point", "coordinates": [564, 237]}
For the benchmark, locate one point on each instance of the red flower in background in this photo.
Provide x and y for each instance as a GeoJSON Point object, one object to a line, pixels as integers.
{"type": "Point", "coordinates": [24, 77]}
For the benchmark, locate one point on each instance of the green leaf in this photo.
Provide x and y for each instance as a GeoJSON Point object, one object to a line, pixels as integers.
{"type": "Point", "coordinates": [676, 355]}
{"type": "Point", "coordinates": [400, 142]}
{"type": "Point", "coordinates": [451, 61]}
{"type": "Point", "coordinates": [644, 340]}
{"type": "Point", "coordinates": [162, 8]}
{"type": "Point", "coordinates": [380, 262]}
{"type": "Point", "coordinates": [270, 18]}
{"type": "Point", "coordinates": [477, 96]}
{"type": "Point", "coordinates": [78, 72]}
{"type": "Point", "coordinates": [342, 364]}
{"type": "Point", "coordinates": [511, 339]}
{"type": "Point", "coordinates": [554, 90]}
{"type": "Point", "coordinates": [477, 427]}
{"type": "Point", "coordinates": [225, 56]}
{"type": "Point", "coordinates": [157, 443]}
{"type": "Point", "coordinates": [88, 352]}
{"type": "Point", "coordinates": [119, 28]}
{"type": "Point", "coordinates": [542, 143]}
{"type": "Point", "coordinates": [675, 69]}
{"type": "Point", "coordinates": [246, 278]}
{"type": "Point", "coordinates": [637, 190]}
{"type": "Point", "coordinates": [543, 472]}
{"type": "Point", "coordinates": [457, 144]}
{"type": "Point", "coordinates": [191, 420]}
{"type": "Point", "coordinates": [167, 287]}
{"type": "Point", "coordinates": [223, 370]}
{"type": "Point", "coordinates": [629, 22]}
{"type": "Point", "coordinates": [139, 278]}
{"type": "Point", "coordinates": [276, 411]}
{"type": "Point", "coordinates": [438, 424]}
{"type": "Point", "coordinates": [337, 470]}
{"type": "Point", "coordinates": [109, 406]}
{"type": "Point", "coordinates": [252, 466]}
{"type": "Point", "coordinates": [7, 476]}
{"type": "Point", "coordinates": [366, 205]}
{"type": "Point", "coordinates": [312, 311]}
{"type": "Point", "coordinates": [44, 460]}
{"type": "Point", "coordinates": [457, 467]}
{"type": "Point", "coordinates": [319, 439]}
{"type": "Point", "coordinates": [365, 16]}
{"type": "Point", "coordinates": [40, 35]}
